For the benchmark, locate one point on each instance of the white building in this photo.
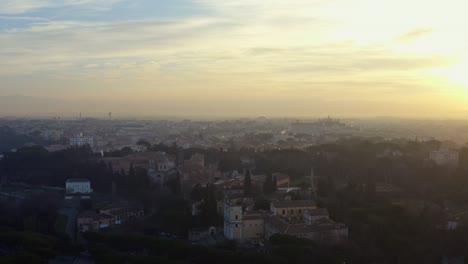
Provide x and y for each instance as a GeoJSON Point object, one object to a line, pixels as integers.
{"type": "Point", "coordinates": [81, 140]}
{"type": "Point", "coordinates": [445, 157]}
{"type": "Point", "coordinates": [78, 186]}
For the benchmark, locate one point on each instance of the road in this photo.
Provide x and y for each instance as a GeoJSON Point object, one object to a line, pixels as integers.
{"type": "Point", "coordinates": [70, 209]}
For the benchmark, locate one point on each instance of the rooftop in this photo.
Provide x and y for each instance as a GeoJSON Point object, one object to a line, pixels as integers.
{"type": "Point", "coordinates": [280, 176]}
{"type": "Point", "coordinates": [297, 203]}
{"type": "Point", "coordinates": [317, 212]}
{"type": "Point", "coordinates": [284, 227]}
{"type": "Point", "coordinates": [78, 180]}
{"type": "Point", "coordinates": [95, 216]}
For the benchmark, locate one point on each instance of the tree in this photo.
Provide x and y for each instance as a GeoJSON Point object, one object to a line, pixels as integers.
{"type": "Point", "coordinates": [325, 186]}
{"type": "Point", "coordinates": [262, 204]}
{"type": "Point", "coordinates": [144, 143]}
{"type": "Point", "coordinates": [267, 184]}
{"type": "Point", "coordinates": [270, 185]}
{"type": "Point", "coordinates": [197, 193]}
{"type": "Point", "coordinates": [247, 183]}
{"type": "Point", "coordinates": [131, 171]}
{"type": "Point", "coordinates": [174, 185]}
{"type": "Point", "coordinates": [369, 188]}
{"type": "Point", "coordinates": [208, 206]}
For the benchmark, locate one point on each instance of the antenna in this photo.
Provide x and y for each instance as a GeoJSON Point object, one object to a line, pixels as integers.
{"type": "Point", "coordinates": [110, 115]}
{"type": "Point", "coordinates": [80, 115]}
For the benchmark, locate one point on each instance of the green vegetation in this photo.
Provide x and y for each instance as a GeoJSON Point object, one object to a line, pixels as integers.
{"type": "Point", "coordinates": [129, 248]}
{"type": "Point", "coordinates": [28, 247]}
{"type": "Point", "coordinates": [61, 223]}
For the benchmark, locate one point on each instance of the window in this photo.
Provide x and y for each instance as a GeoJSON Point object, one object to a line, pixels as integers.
{"type": "Point", "coordinates": [237, 225]}
{"type": "Point", "coordinates": [237, 217]}
{"type": "Point", "coordinates": [300, 211]}
{"type": "Point", "coordinates": [284, 211]}
{"type": "Point", "coordinates": [292, 211]}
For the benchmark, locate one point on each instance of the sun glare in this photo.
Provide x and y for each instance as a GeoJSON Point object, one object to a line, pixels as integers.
{"type": "Point", "coordinates": [458, 73]}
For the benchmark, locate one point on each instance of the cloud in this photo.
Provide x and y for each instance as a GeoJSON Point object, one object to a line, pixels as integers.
{"type": "Point", "coordinates": [416, 33]}
{"type": "Point", "coordinates": [245, 49]}
{"type": "Point", "coordinates": [24, 6]}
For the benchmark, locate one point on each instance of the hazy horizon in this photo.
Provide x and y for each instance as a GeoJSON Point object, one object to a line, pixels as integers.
{"type": "Point", "coordinates": [242, 58]}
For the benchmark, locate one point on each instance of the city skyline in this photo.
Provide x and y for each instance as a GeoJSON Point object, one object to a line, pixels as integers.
{"type": "Point", "coordinates": [234, 58]}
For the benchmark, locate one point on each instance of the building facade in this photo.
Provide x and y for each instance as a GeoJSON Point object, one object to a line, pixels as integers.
{"type": "Point", "coordinates": [444, 157]}
{"type": "Point", "coordinates": [123, 214]}
{"type": "Point", "coordinates": [90, 221]}
{"type": "Point", "coordinates": [160, 168]}
{"type": "Point", "coordinates": [81, 140]}
{"type": "Point", "coordinates": [316, 225]}
{"type": "Point", "coordinates": [242, 225]}
{"type": "Point", "coordinates": [292, 209]}
{"type": "Point", "coordinates": [78, 186]}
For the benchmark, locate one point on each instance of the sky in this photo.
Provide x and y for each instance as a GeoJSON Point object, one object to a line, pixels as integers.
{"type": "Point", "coordinates": [246, 58]}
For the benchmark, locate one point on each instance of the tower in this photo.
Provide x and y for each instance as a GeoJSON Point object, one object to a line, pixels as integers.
{"type": "Point", "coordinates": [110, 115]}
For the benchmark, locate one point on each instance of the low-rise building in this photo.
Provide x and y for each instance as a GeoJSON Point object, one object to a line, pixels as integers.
{"type": "Point", "coordinates": [78, 186]}
{"type": "Point", "coordinates": [89, 221]}
{"type": "Point", "coordinates": [292, 209]}
{"type": "Point", "coordinates": [160, 168]}
{"type": "Point", "coordinates": [242, 225]}
{"type": "Point", "coordinates": [295, 218]}
{"type": "Point", "coordinates": [445, 157]}
{"type": "Point", "coordinates": [123, 214]}
{"type": "Point", "coordinates": [81, 140]}
{"type": "Point", "coordinates": [316, 225]}
{"type": "Point", "coordinates": [282, 180]}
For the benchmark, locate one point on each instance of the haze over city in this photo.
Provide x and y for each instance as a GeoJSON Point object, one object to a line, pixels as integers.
{"type": "Point", "coordinates": [234, 58]}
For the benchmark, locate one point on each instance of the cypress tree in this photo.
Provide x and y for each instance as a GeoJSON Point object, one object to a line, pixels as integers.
{"type": "Point", "coordinates": [247, 183]}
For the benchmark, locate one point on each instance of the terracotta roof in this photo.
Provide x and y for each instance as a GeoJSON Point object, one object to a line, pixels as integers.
{"type": "Point", "coordinates": [280, 176]}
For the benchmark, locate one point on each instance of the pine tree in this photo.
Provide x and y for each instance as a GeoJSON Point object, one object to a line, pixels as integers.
{"type": "Point", "coordinates": [268, 186]}
{"type": "Point", "coordinates": [247, 183]}
{"type": "Point", "coordinates": [273, 184]}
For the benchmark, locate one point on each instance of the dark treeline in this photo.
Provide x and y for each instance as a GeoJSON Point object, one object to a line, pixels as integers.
{"type": "Point", "coordinates": [36, 166]}
{"type": "Point", "coordinates": [135, 248]}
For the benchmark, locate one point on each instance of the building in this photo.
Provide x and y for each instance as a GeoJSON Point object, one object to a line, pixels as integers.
{"type": "Point", "coordinates": [445, 157]}
{"type": "Point", "coordinates": [78, 186]}
{"type": "Point", "coordinates": [292, 209]}
{"type": "Point", "coordinates": [198, 235]}
{"type": "Point", "coordinates": [197, 160]}
{"type": "Point", "coordinates": [282, 180]}
{"type": "Point", "coordinates": [295, 218]}
{"type": "Point", "coordinates": [81, 140]}
{"type": "Point", "coordinates": [316, 225]}
{"type": "Point", "coordinates": [89, 221]}
{"type": "Point", "coordinates": [123, 214]}
{"type": "Point", "coordinates": [242, 225]}
{"type": "Point", "coordinates": [160, 168]}
{"type": "Point", "coordinates": [233, 221]}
